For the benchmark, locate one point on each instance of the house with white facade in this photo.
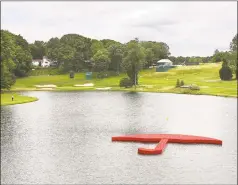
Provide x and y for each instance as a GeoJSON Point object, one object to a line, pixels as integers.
{"type": "Point", "coordinates": [45, 62]}
{"type": "Point", "coordinates": [36, 62]}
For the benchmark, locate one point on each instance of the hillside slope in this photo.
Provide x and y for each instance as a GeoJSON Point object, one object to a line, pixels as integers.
{"type": "Point", "coordinates": [205, 76]}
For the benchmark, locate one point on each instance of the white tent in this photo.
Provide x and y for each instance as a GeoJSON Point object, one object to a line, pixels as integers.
{"type": "Point", "coordinates": [165, 62]}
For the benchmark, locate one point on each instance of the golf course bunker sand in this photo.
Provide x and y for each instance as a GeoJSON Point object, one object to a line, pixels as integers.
{"type": "Point", "coordinates": [84, 85]}
{"type": "Point", "coordinates": [104, 88]}
{"type": "Point", "coordinates": [167, 88]}
{"type": "Point", "coordinates": [204, 87]}
{"type": "Point", "coordinates": [46, 86]}
{"type": "Point", "coordinates": [218, 80]}
{"type": "Point", "coordinates": [147, 86]}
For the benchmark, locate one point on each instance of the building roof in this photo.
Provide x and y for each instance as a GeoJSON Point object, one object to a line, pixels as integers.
{"type": "Point", "coordinates": [165, 61]}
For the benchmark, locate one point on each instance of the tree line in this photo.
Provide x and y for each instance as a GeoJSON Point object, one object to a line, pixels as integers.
{"type": "Point", "coordinates": [77, 53]}
{"type": "Point", "coordinates": [16, 58]}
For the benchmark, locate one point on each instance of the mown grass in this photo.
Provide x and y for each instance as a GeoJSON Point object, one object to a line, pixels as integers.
{"type": "Point", "coordinates": [206, 76]}
{"type": "Point", "coordinates": [6, 99]}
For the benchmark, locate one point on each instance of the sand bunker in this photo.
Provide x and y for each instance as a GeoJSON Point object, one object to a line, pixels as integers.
{"type": "Point", "coordinates": [204, 87]}
{"type": "Point", "coordinates": [213, 80]}
{"type": "Point", "coordinates": [104, 88]}
{"type": "Point", "coordinates": [84, 85]}
{"type": "Point", "coordinates": [46, 86]}
{"type": "Point", "coordinates": [147, 86]}
{"type": "Point", "coordinates": [167, 88]}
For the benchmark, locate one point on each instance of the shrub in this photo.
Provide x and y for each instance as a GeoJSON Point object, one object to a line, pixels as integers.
{"type": "Point", "coordinates": [177, 83]}
{"type": "Point", "coordinates": [181, 83]}
{"type": "Point", "coordinates": [225, 72]}
{"type": "Point", "coordinates": [71, 74]}
{"type": "Point", "coordinates": [101, 75]}
{"type": "Point", "coordinates": [126, 82]}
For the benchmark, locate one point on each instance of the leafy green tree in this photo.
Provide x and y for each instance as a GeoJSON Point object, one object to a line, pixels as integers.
{"type": "Point", "coordinates": [101, 61]}
{"type": "Point", "coordinates": [65, 57]}
{"type": "Point", "coordinates": [7, 63]}
{"type": "Point", "coordinates": [134, 59]}
{"type": "Point", "coordinates": [219, 57]}
{"type": "Point", "coordinates": [216, 51]}
{"type": "Point", "coordinates": [233, 56]}
{"type": "Point", "coordinates": [116, 51]}
{"type": "Point", "coordinates": [38, 49]}
{"type": "Point", "coordinates": [53, 49]}
{"type": "Point", "coordinates": [233, 44]}
{"type": "Point", "coordinates": [15, 58]}
{"type": "Point", "coordinates": [108, 42]}
{"type": "Point", "coordinates": [233, 63]}
{"type": "Point", "coordinates": [7, 77]}
{"type": "Point", "coordinates": [149, 57]}
{"type": "Point", "coordinates": [96, 46]}
{"type": "Point", "coordinates": [77, 49]}
{"type": "Point", "coordinates": [161, 50]}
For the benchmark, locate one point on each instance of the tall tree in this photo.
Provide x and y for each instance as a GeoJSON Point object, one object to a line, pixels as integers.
{"type": "Point", "coordinates": [115, 54]}
{"type": "Point", "coordinates": [149, 57]}
{"type": "Point", "coordinates": [15, 58]}
{"type": "Point", "coordinates": [233, 56]}
{"type": "Point", "coordinates": [53, 48]}
{"type": "Point", "coordinates": [134, 59]}
{"type": "Point", "coordinates": [38, 49]}
{"type": "Point", "coordinates": [101, 61]}
{"type": "Point", "coordinates": [65, 57]}
{"type": "Point", "coordinates": [96, 46]}
{"type": "Point", "coordinates": [7, 63]}
{"type": "Point", "coordinates": [233, 44]}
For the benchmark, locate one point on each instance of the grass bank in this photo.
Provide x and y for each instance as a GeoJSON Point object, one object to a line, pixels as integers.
{"type": "Point", "coordinates": [6, 99]}
{"type": "Point", "coordinates": [206, 76]}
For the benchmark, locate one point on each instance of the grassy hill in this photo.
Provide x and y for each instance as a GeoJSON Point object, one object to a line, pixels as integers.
{"type": "Point", "coordinates": [206, 76]}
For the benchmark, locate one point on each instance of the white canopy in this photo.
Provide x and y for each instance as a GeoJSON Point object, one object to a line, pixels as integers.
{"type": "Point", "coordinates": [165, 61]}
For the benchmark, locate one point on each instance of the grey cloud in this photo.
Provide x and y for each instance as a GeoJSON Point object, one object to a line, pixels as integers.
{"type": "Point", "coordinates": [189, 28]}
{"type": "Point", "coordinates": [156, 24]}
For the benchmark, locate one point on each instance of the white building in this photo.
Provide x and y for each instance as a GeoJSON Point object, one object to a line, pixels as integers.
{"type": "Point", "coordinates": [45, 62]}
{"type": "Point", "coordinates": [36, 62]}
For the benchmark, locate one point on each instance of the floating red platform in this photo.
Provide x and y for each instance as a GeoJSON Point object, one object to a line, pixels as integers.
{"type": "Point", "coordinates": [163, 139]}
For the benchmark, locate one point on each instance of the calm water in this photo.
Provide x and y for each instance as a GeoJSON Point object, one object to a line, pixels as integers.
{"type": "Point", "coordinates": [65, 138]}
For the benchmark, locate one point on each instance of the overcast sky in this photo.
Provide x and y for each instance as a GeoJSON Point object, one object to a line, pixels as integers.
{"type": "Point", "coordinates": [189, 28]}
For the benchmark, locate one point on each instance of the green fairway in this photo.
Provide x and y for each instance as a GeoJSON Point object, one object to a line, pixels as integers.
{"type": "Point", "coordinates": [6, 99]}
{"type": "Point", "coordinates": [206, 76]}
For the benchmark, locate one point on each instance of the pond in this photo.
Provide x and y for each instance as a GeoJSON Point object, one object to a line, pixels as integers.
{"type": "Point", "coordinates": [65, 138]}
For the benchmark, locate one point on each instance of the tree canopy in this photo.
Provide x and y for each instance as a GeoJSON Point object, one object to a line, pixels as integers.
{"type": "Point", "coordinates": [74, 52]}
{"type": "Point", "coordinates": [16, 58]}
